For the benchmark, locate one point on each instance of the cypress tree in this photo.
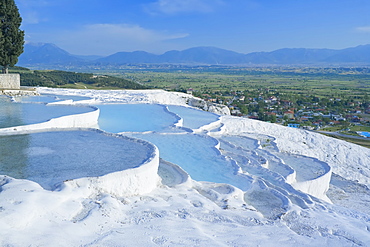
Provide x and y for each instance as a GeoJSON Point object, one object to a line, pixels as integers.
{"type": "Point", "coordinates": [11, 37]}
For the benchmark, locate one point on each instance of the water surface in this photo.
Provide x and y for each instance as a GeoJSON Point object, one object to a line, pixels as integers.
{"type": "Point", "coordinates": [50, 98]}
{"type": "Point", "coordinates": [50, 158]}
{"type": "Point", "coordinates": [117, 118]}
{"type": "Point", "coordinates": [193, 118]}
{"type": "Point", "coordinates": [16, 114]}
{"type": "Point", "coordinates": [197, 155]}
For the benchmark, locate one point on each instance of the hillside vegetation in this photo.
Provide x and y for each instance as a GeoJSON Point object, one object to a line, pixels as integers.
{"type": "Point", "coordinates": [57, 78]}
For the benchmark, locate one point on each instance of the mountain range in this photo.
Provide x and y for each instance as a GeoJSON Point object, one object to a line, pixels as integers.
{"type": "Point", "coordinates": [47, 54]}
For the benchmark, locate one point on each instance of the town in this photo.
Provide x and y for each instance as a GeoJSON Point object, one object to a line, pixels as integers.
{"type": "Point", "coordinates": [299, 111]}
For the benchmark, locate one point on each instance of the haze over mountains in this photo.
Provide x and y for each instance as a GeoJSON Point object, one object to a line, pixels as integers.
{"type": "Point", "coordinates": [46, 54]}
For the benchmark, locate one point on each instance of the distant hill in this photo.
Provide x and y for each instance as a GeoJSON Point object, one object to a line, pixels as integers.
{"type": "Point", "coordinates": [88, 57]}
{"type": "Point", "coordinates": [199, 55]}
{"type": "Point", "coordinates": [49, 54]}
{"type": "Point", "coordinates": [46, 53]}
{"type": "Point", "coordinates": [291, 56]}
{"type": "Point", "coordinates": [129, 57]}
{"type": "Point", "coordinates": [359, 54]}
{"type": "Point", "coordinates": [206, 55]}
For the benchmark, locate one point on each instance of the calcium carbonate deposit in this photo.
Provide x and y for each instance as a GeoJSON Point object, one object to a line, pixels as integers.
{"type": "Point", "coordinates": [155, 168]}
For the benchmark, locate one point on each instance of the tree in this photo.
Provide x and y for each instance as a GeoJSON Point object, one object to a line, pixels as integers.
{"type": "Point", "coordinates": [12, 38]}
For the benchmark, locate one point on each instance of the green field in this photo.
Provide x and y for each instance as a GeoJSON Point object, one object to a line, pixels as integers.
{"type": "Point", "coordinates": [320, 82]}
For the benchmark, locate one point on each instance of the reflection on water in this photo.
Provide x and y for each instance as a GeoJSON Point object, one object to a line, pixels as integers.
{"type": "Point", "coordinates": [16, 114]}
{"type": "Point", "coordinates": [193, 118]}
{"type": "Point", "coordinates": [52, 157]}
{"type": "Point", "coordinates": [197, 155]}
{"type": "Point", "coordinates": [49, 98]}
{"type": "Point", "coordinates": [117, 118]}
{"type": "Point", "coordinates": [13, 159]}
{"type": "Point", "coordinates": [10, 113]}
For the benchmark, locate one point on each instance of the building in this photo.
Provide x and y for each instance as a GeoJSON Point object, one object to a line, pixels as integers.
{"type": "Point", "coordinates": [289, 114]}
{"type": "Point", "coordinates": [10, 81]}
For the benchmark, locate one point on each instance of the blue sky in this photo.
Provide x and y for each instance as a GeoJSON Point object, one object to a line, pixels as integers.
{"type": "Point", "coordinates": [104, 27]}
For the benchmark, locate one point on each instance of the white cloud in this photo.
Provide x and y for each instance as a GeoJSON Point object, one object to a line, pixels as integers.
{"type": "Point", "coordinates": [31, 17]}
{"type": "Point", "coordinates": [30, 12]}
{"type": "Point", "coordinates": [177, 6]}
{"type": "Point", "coordinates": [365, 29]}
{"type": "Point", "coordinates": [106, 39]}
{"type": "Point", "coordinates": [131, 32]}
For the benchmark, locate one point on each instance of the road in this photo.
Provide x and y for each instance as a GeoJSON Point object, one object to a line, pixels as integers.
{"type": "Point", "coordinates": [343, 135]}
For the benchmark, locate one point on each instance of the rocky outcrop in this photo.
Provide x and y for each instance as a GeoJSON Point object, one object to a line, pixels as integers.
{"type": "Point", "coordinates": [209, 106]}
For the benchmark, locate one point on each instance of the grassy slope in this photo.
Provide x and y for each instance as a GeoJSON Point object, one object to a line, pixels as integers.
{"type": "Point", "coordinates": [64, 79]}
